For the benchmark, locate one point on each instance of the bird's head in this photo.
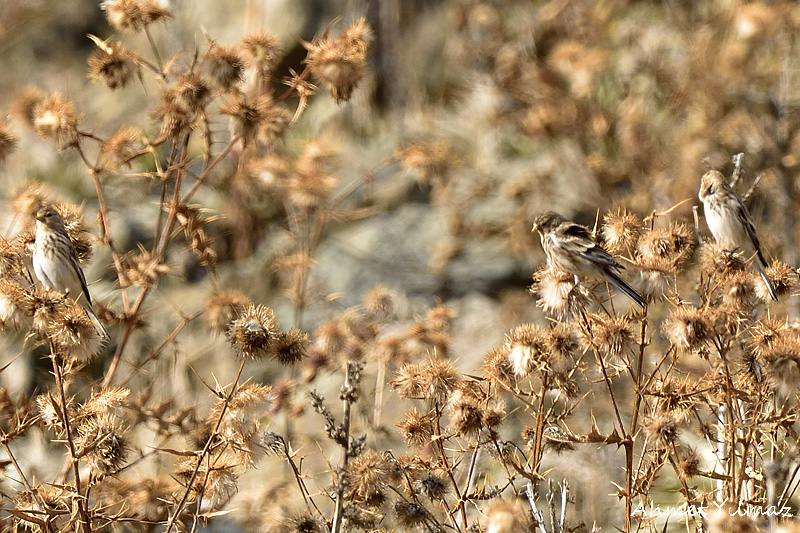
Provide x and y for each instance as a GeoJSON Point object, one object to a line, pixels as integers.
{"type": "Point", "coordinates": [546, 221]}
{"type": "Point", "coordinates": [49, 217]}
{"type": "Point", "coordinates": [712, 182]}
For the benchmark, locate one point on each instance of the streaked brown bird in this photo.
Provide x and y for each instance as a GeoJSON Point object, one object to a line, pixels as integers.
{"type": "Point", "coordinates": [730, 223]}
{"type": "Point", "coordinates": [570, 247]}
{"type": "Point", "coordinates": [56, 264]}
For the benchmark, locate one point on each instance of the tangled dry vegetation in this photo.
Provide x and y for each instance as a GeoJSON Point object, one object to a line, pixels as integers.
{"type": "Point", "coordinates": [695, 395]}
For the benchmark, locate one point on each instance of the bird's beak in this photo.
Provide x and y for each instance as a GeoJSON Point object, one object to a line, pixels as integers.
{"type": "Point", "coordinates": [40, 217]}
{"type": "Point", "coordinates": [534, 228]}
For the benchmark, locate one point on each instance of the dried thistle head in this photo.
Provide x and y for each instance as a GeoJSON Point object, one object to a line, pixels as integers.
{"type": "Point", "coordinates": [290, 347]}
{"type": "Point", "coordinates": [527, 349]}
{"type": "Point", "coordinates": [716, 261]}
{"type": "Point", "coordinates": [379, 301]}
{"type": "Point", "coordinates": [562, 345]}
{"type": "Point", "coordinates": [56, 500]}
{"type": "Point", "coordinates": [725, 519]}
{"type": "Point", "coordinates": [102, 441]}
{"type": "Point", "coordinates": [673, 244]}
{"type": "Point", "coordinates": [262, 50]}
{"type": "Point", "coordinates": [765, 333]}
{"type": "Point", "coordinates": [8, 142]}
{"type": "Point", "coordinates": [134, 15]}
{"type": "Point", "coordinates": [225, 307]}
{"type": "Point", "coordinates": [223, 66]}
{"type": "Point", "coordinates": [661, 428]}
{"type": "Point", "coordinates": [55, 120]}
{"type": "Point", "coordinates": [621, 231]}
{"type": "Point", "coordinates": [738, 290]}
{"type": "Point", "coordinates": [172, 112]}
{"type": "Point", "coordinates": [433, 379]}
{"type": "Point", "coordinates": [112, 65]}
{"type": "Point", "coordinates": [331, 337]}
{"type": "Point", "coordinates": [410, 514]}
{"type": "Point", "coordinates": [432, 485]}
{"type": "Point", "coordinates": [656, 278]}
{"type": "Point", "coordinates": [782, 362]}
{"type": "Point", "coordinates": [14, 261]}
{"type": "Point", "coordinates": [25, 101]}
{"type": "Point", "coordinates": [439, 319]}
{"type": "Point", "coordinates": [505, 517]}
{"type": "Point", "coordinates": [141, 269]}
{"type": "Point", "coordinates": [417, 429]}
{"type": "Point", "coordinates": [73, 333]}
{"type": "Point", "coordinates": [688, 464]}
{"type": "Point", "coordinates": [221, 482]}
{"type": "Point", "coordinates": [271, 172]}
{"type": "Point", "coordinates": [497, 366]}
{"type": "Point", "coordinates": [251, 335]}
{"type": "Point", "coordinates": [366, 477]}
{"type": "Point", "coordinates": [51, 413]}
{"type": "Point", "coordinates": [14, 304]}
{"type": "Point", "coordinates": [240, 423]}
{"type": "Point", "coordinates": [430, 161]}
{"type": "Point", "coordinates": [312, 180]}
{"type": "Point", "coordinates": [45, 306]}
{"type": "Point", "coordinates": [559, 295]}
{"type": "Point", "coordinates": [315, 361]}
{"type": "Point", "coordinates": [689, 328]}
{"type": "Point", "coordinates": [306, 523]}
{"type": "Point", "coordinates": [121, 147]}
{"type": "Point", "coordinates": [339, 64]}
{"type": "Point", "coordinates": [256, 118]}
{"type": "Point", "coordinates": [27, 198]}
{"type": "Point", "coordinates": [612, 334]}
{"type": "Point", "coordinates": [76, 229]}
{"type": "Point", "coordinates": [466, 413]}
{"type": "Point", "coordinates": [439, 379]}
{"type": "Point", "coordinates": [104, 402]}
{"type": "Point", "coordinates": [783, 278]}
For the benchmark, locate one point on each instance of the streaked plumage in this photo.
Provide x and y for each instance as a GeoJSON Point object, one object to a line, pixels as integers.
{"type": "Point", "coordinates": [570, 247]}
{"type": "Point", "coordinates": [56, 264]}
{"type": "Point", "coordinates": [730, 223]}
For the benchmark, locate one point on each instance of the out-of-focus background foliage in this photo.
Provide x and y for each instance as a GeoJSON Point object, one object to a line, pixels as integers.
{"type": "Point", "coordinates": [514, 107]}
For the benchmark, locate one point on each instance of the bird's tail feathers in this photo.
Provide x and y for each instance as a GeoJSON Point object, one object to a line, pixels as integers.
{"type": "Point", "coordinates": [762, 271]}
{"type": "Point", "coordinates": [629, 291]}
{"type": "Point", "coordinates": [96, 321]}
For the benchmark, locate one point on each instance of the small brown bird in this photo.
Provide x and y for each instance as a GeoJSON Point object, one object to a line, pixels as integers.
{"type": "Point", "coordinates": [56, 264]}
{"type": "Point", "coordinates": [570, 247]}
{"type": "Point", "coordinates": [730, 223]}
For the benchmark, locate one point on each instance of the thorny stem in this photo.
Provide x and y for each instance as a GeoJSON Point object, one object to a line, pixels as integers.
{"type": "Point", "coordinates": [637, 402]}
{"type": "Point", "coordinates": [157, 352]}
{"type": "Point", "coordinates": [106, 226]}
{"type": "Point", "coordinates": [182, 503]}
{"type": "Point", "coordinates": [347, 398]}
{"type": "Point", "coordinates": [443, 455]}
{"type": "Point", "coordinates": [309, 235]}
{"type": "Point", "coordinates": [155, 51]}
{"type": "Point", "coordinates": [4, 440]}
{"type": "Point", "coordinates": [539, 431]}
{"type": "Point", "coordinates": [62, 398]}
{"type": "Point", "coordinates": [132, 316]}
{"type": "Point", "coordinates": [299, 478]}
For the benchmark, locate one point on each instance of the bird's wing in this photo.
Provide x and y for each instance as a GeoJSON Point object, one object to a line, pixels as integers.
{"type": "Point", "coordinates": [76, 264]}
{"type": "Point", "coordinates": [744, 216]}
{"type": "Point", "coordinates": [578, 239]}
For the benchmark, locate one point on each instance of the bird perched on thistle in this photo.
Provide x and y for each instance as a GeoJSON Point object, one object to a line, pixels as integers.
{"type": "Point", "coordinates": [56, 264]}
{"type": "Point", "coordinates": [730, 223]}
{"type": "Point", "coordinates": [571, 248]}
